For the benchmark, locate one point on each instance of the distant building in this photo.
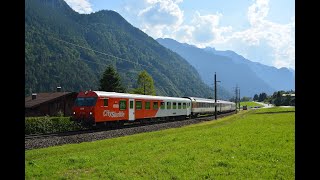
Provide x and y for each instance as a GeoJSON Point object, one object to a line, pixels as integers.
{"type": "Point", "coordinates": [51, 103]}
{"type": "Point", "coordinates": [291, 100]}
{"type": "Point", "coordinates": [292, 95]}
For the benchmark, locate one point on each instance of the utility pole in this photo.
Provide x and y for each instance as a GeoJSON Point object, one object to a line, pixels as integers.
{"type": "Point", "coordinates": [236, 98]}
{"type": "Point", "coordinates": [239, 99]}
{"type": "Point", "coordinates": [215, 95]}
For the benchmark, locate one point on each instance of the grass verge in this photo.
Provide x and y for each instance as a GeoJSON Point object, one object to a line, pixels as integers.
{"type": "Point", "coordinates": [250, 104]}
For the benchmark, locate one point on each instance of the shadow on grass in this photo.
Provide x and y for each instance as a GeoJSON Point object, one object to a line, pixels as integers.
{"type": "Point", "coordinates": [274, 112]}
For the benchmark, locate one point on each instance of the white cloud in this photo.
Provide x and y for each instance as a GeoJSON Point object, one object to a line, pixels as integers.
{"type": "Point", "coordinates": [81, 6]}
{"type": "Point", "coordinates": [165, 12]}
{"type": "Point", "coordinates": [280, 37]}
{"type": "Point", "coordinates": [160, 16]}
{"type": "Point", "coordinates": [258, 11]}
{"type": "Point", "coordinates": [206, 28]}
{"type": "Point", "coordinates": [164, 18]}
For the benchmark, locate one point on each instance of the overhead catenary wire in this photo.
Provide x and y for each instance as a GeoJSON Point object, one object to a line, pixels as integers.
{"type": "Point", "coordinates": [100, 52]}
{"type": "Point", "coordinates": [90, 49]}
{"type": "Point", "coordinates": [101, 63]}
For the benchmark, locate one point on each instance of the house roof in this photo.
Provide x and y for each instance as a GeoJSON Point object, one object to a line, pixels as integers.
{"type": "Point", "coordinates": [44, 97]}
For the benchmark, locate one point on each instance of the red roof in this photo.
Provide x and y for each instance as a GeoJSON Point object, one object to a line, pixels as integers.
{"type": "Point", "coordinates": [44, 97]}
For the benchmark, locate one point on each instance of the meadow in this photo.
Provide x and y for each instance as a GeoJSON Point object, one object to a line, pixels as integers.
{"type": "Point", "coordinates": [250, 104]}
{"type": "Point", "coordinates": [253, 144]}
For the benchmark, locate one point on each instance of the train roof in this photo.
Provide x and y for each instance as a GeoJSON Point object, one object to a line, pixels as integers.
{"type": "Point", "coordinates": [204, 100]}
{"type": "Point", "coordinates": [226, 102]}
{"type": "Point", "coordinates": [138, 96]}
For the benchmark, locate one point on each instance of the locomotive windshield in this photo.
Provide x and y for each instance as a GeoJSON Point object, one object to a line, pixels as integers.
{"type": "Point", "coordinates": [87, 101]}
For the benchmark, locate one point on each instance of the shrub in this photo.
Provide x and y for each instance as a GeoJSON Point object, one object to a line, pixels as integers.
{"type": "Point", "coordinates": [46, 124]}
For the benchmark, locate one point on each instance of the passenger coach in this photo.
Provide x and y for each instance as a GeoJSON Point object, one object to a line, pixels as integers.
{"type": "Point", "coordinates": [200, 106]}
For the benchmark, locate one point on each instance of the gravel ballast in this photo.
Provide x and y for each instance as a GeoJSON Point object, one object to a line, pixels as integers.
{"type": "Point", "coordinates": [93, 136]}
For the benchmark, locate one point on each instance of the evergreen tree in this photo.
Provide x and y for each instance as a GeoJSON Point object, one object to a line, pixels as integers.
{"type": "Point", "coordinates": [111, 81]}
{"type": "Point", "coordinates": [256, 97]}
{"type": "Point", "coordinates": [278, 100]}
{"type": "Point", "coordinates": [262, 97]}
{"type": "Point", "coordinates": [145, 84]}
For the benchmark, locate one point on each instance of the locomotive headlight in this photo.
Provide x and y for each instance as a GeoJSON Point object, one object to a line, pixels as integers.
{"type": "Point", "coordinates": [90, 113]}
{"type": "Point", "coordinates": [74, 112]}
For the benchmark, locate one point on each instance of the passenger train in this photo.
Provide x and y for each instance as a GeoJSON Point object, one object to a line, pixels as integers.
{"type": "Point", "coordinates": [99, 107]}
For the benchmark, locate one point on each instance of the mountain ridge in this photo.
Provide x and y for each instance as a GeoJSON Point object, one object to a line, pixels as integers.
{"type": "Point", "coordinates": [61, 49]}
{"type": "Point", "coordinates": [265, 78]}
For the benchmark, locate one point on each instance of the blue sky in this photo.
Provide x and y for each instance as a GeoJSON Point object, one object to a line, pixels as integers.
{"type": "Point", "coordinates": [260, 30]}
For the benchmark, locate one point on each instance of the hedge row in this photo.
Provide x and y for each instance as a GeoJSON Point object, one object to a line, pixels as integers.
{"type": "Point", "coordinates": [46, 124]}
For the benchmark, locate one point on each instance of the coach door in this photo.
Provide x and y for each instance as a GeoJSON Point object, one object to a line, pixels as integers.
{"type": "Point", "coordinates": [188, 108]}
{"type": "Point", "coordinates": [131, 109]}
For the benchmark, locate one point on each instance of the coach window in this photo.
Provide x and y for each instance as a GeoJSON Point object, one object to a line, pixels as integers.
{"type": "Point", "coordinates": [168, 105]}
{"type": "Point", "coordinates": [179, 105]}
{"type": "Point", "coordinates": [155, 105]}
{"type": "Point", "coordinates": [138, 104]}
{"type": "Point", "coordinates": [162, 105]}
{"type": "Point", "coordinates": [174, 105]}
{"type": "Point", "coordinates": [105, 102]}
{"type": "Point", "coordinates": [123, 104]}
{"type": "Point", "coordinates": [184, 106]}
{"type": "Point", "coordinates": [147, 106]}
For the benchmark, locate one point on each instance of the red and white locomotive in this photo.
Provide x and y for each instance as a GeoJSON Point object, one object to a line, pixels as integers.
{"type": "Point", "coordinates": [96, 107]}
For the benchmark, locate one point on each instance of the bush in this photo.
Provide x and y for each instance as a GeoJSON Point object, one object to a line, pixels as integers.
{"type": "Point", "coordinates": [46, 124]}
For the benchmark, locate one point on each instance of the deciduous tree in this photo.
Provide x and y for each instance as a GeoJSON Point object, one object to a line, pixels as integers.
{"type": "Point", "coordinates": [145, 84]}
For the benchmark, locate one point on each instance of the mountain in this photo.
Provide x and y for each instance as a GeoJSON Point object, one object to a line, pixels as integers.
{"type": "Point", "coordinates": [71, 50]}
{"type": "Point", "coordinates": [279, 79]}
{"type": "Point", "coordinates": [230, 71]}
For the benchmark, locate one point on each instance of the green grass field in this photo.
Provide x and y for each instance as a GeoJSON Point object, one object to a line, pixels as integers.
{"type": "Point", "coordinates": [250, 104]}
{"type": "Point", "coordinates": [254, 144]}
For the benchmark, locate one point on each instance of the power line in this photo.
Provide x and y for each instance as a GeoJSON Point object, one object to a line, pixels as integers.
{"type": "Point", "coordinates": [100, 63]}
{"type": "Point", "coordinates": [96, 51]}
{"type": "Point", "coordinates": [99, 52]}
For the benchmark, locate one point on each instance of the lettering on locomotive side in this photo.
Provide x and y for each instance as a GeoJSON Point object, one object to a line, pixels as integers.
{"type": "Point", "coordinates": [113, 114]}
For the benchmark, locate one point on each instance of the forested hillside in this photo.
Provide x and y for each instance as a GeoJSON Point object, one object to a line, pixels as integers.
{"type": "Point", "coordinates": [71, 50]}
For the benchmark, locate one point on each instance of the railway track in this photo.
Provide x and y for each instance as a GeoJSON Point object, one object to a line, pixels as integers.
{"type": "Point", "coordinates": [125, 126]}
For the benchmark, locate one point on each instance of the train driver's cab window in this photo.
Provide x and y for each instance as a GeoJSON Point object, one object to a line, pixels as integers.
{"type": "Point", "coordinates": [138, 105]}
{"type": "Point", "coordinates": [162, 105]}
{"type": "Point", "coordinates": [168, 105]}
{"type": "Point", "coordinates": [123, 104]}
{"type": "Point", "coordinates": [105, 102]}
